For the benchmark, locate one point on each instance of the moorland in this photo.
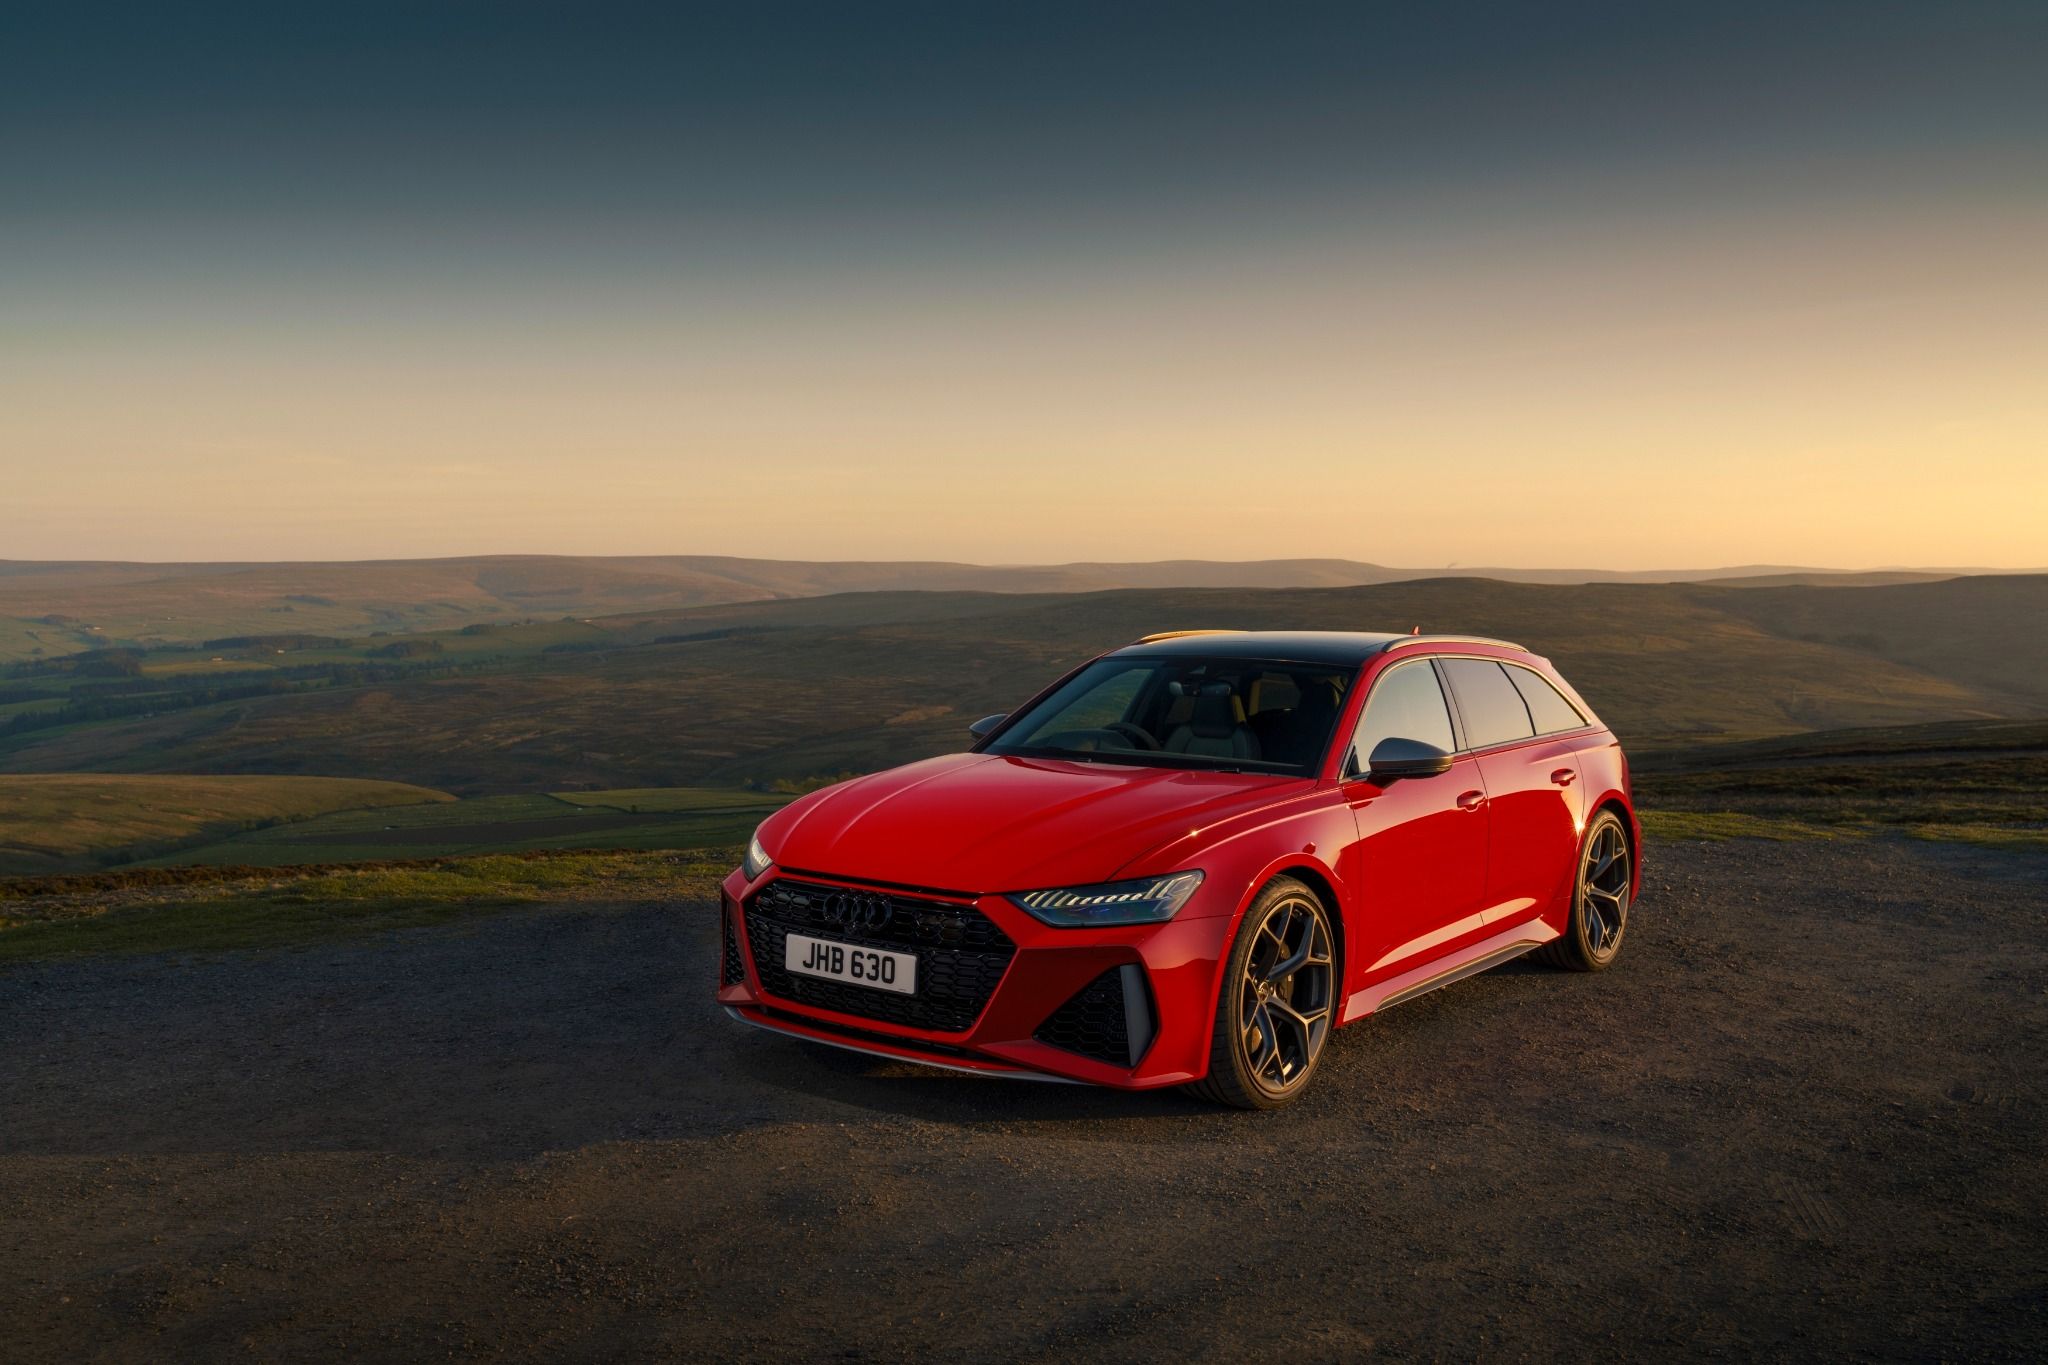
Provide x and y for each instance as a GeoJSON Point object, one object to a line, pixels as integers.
{"type": "Point", "coordinates": [796, 690]}
{"type": "Point", "coordinates": [1831, 707]}
{"type": "Point", "coordinates": [49, 608]}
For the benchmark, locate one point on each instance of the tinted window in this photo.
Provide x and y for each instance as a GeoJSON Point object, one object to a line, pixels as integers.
{"type": "Point", "coordinates": [1107, 702]}
{"type": "Point", "coordinates": [1241, 714]}
{"type": "Point", "coordinates": [1547, 706]}
{"type": "Point", "coordinates": [1488, 703]}
{"type": "Point", "coordinates": [1406, 703]}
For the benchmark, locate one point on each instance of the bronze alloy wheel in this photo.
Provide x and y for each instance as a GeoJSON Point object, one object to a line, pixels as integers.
{"type": "Point", "coordinates": [1600, 900]}
{"type": "Point", "coordinates": [1278, 1001]}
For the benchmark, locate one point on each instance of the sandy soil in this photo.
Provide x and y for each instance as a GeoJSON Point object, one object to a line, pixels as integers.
{"type": "Point", "coordinates": [1802, 1117]}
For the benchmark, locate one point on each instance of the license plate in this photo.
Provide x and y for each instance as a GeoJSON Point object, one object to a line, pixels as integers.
{"type": "Point", "coordinates": [885, 971]}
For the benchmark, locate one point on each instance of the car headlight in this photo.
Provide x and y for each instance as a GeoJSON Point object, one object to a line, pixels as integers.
{"type": "Point", "coordinates": [757, 860]}
{"type": "Point", "coordinates": [1146, 901]}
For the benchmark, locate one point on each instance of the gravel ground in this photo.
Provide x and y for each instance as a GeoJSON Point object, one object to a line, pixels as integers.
{"type": "Point", "coordinates": [1801, 1117]}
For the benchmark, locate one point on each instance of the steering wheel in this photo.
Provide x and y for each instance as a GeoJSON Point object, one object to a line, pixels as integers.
{"type": "Point", "coordinates": [1139, 736]}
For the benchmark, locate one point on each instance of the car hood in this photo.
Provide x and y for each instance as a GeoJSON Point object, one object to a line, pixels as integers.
{"type": "Point", "coordinates": [987, 822]}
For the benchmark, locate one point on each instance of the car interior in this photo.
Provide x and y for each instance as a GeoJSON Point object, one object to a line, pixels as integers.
{"type": "Point", "coordinates": [1230, 710]}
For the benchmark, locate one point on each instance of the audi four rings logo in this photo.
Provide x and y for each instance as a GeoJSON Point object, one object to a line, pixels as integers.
{"type": "Point", "coordinates": [858, 909]}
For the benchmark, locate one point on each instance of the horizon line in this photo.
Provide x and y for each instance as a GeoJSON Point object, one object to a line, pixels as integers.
{"type": "Point", "coordinates": [1447, 570]}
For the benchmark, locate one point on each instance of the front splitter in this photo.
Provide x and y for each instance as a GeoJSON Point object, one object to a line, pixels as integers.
{"type": "Point", "coordinates": [993, 1071]}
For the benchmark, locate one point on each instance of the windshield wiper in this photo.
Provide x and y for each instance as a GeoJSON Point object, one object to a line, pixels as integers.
{"type": "Point", "coordinates": [1044, 751]}
{"type": "Point", "coordinates": [1148, 758]}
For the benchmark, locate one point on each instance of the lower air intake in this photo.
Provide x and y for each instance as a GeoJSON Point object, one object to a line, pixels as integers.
{"type": "Point", "coordinates": [732, 972]}
{"type": "Point", "coordinates": [1109, 1019]}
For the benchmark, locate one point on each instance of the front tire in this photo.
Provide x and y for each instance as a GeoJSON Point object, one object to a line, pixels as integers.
{"type": "Point", "coordinates": [1601, 893]}
{"type": "Point", "coordinates": [1276, 1003]}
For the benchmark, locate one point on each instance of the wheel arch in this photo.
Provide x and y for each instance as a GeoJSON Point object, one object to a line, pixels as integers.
{"type": "Point", "coordinates": [1319, 881]}
{"type": "Point", "coordinates": [1311, 873]}
{"type": "Point", "coordinates": [1630, 830]}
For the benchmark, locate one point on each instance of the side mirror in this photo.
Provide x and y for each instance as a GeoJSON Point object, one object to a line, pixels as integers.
{"type": "Point", "coordinates": [1394, 758]}
{"type": "Point", "coordinates": [985, 727]}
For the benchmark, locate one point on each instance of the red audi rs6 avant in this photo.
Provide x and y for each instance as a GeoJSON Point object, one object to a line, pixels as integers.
{"type": "Point", "coordinates": [1188, 860]}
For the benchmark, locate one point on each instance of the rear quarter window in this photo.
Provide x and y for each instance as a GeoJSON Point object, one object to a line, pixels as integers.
{"type": "Point", "coordinates": [1547, 706]}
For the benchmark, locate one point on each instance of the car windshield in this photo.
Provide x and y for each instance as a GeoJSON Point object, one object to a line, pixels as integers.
{"type": "Point", "coordinates": [1242, 715]}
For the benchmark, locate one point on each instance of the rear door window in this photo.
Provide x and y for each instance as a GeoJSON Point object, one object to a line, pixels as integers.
{"type": "Point", "coordinates": [1490, 705]}
{"type": "Point", "coordinates": [1547, 706]}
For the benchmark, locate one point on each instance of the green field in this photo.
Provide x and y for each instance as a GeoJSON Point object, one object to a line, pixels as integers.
{"type": "Point", "coordinates": [1844, 710]}
{"type": "Point", "coordinates": [653, 819]}
{"type": "Point", "coordinates": [1981, 783]}
{"type": "Point", "coordinates": [289, 909]}
{"type": "Point", "coordinates": [60, 822]}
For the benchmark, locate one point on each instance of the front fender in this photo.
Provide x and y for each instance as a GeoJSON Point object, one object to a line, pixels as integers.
{"type": "Point", "coordinates": [1237, 864]}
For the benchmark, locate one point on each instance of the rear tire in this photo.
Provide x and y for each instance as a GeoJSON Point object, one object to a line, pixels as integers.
{"type": "Point", "coordinates": [1602, 890]}
{"type": "Point", "coordinates": [1276, 1001]}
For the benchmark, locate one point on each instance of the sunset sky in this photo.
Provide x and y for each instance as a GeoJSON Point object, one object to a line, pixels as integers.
{"type": "Point", "coordinates": [1614, 286]}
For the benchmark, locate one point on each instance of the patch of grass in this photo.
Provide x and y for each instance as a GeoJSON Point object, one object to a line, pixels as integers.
{"type": "Point", "coordinates": [1984, 783]}
{"type": "Point", "coordinates": [179, 666]}
{"type": "Point", "coordinates": [1904, 790]}
{"type": "Point", "coordinates": [290, 911]}
{"type": "Point", "coordinates": [475, 810]}
{"type": "Point", "coordinates": [646, 818]}
{"type": "Point", "coordinates": [1717, 825]}
{"type": "Point", "coordinates": [649, 799]}
{"type": "Point", "coordinates": [1989, 836]}
{"type": "Point", "coordinates": [53, 822]}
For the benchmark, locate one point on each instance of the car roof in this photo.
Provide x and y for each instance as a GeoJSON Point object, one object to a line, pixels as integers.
{"type": "Point", "coordinates": [1351, 647]}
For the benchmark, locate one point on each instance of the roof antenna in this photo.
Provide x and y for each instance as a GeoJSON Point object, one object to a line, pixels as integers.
{"type": "Point", "coordinates": [1416, 631]}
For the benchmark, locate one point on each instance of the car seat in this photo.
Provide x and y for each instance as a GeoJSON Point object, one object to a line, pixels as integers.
{"type": "Point", "coordinates": [1215, 728]}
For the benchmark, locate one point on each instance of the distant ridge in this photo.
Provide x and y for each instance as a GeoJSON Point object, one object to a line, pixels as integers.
{"type": "Point", "coordinates": [1123, 573]}
{"type": "Point", "coordinates": [58, 607]}
{"type": "Point", "coordinates": [1828, 578]}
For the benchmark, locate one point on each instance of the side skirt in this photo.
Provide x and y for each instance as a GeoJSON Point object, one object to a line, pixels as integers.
{"type": "Point", "coordinates": [1508, 944]}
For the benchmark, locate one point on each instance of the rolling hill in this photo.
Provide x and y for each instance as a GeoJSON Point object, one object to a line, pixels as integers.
{"type": "Point", "coordinates": [807, 688]}
{"type": "Point", "coordinates": [49, 609]}
{"type": "Point", "coordinates": [1984, 632]}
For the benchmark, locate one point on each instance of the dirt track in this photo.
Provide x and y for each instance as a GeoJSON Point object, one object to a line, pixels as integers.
{"type": "Point", "coordinates": [1803, 1116]}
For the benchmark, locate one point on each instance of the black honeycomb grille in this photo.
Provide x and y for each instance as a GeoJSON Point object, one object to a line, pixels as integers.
{"type": "Point", "coordinates": [733, 971]}
{"type": "Point", "coordinates": [1094, 1022]}
{"type": "Point", "coordinates": [961, 955]}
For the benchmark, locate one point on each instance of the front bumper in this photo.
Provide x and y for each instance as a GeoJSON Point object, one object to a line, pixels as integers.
{"type": "Point", "coordinates": [1173, 965]}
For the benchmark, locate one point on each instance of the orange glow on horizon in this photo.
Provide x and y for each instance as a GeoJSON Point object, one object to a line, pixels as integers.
{"type": "Point", "coordinates": [1806, 390]}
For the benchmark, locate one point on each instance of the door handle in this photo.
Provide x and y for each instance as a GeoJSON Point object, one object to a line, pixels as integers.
{"type": "Point", "coordinates": [1471, 800]}
{"type": "Point", "coordinates": [1563, 777]}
